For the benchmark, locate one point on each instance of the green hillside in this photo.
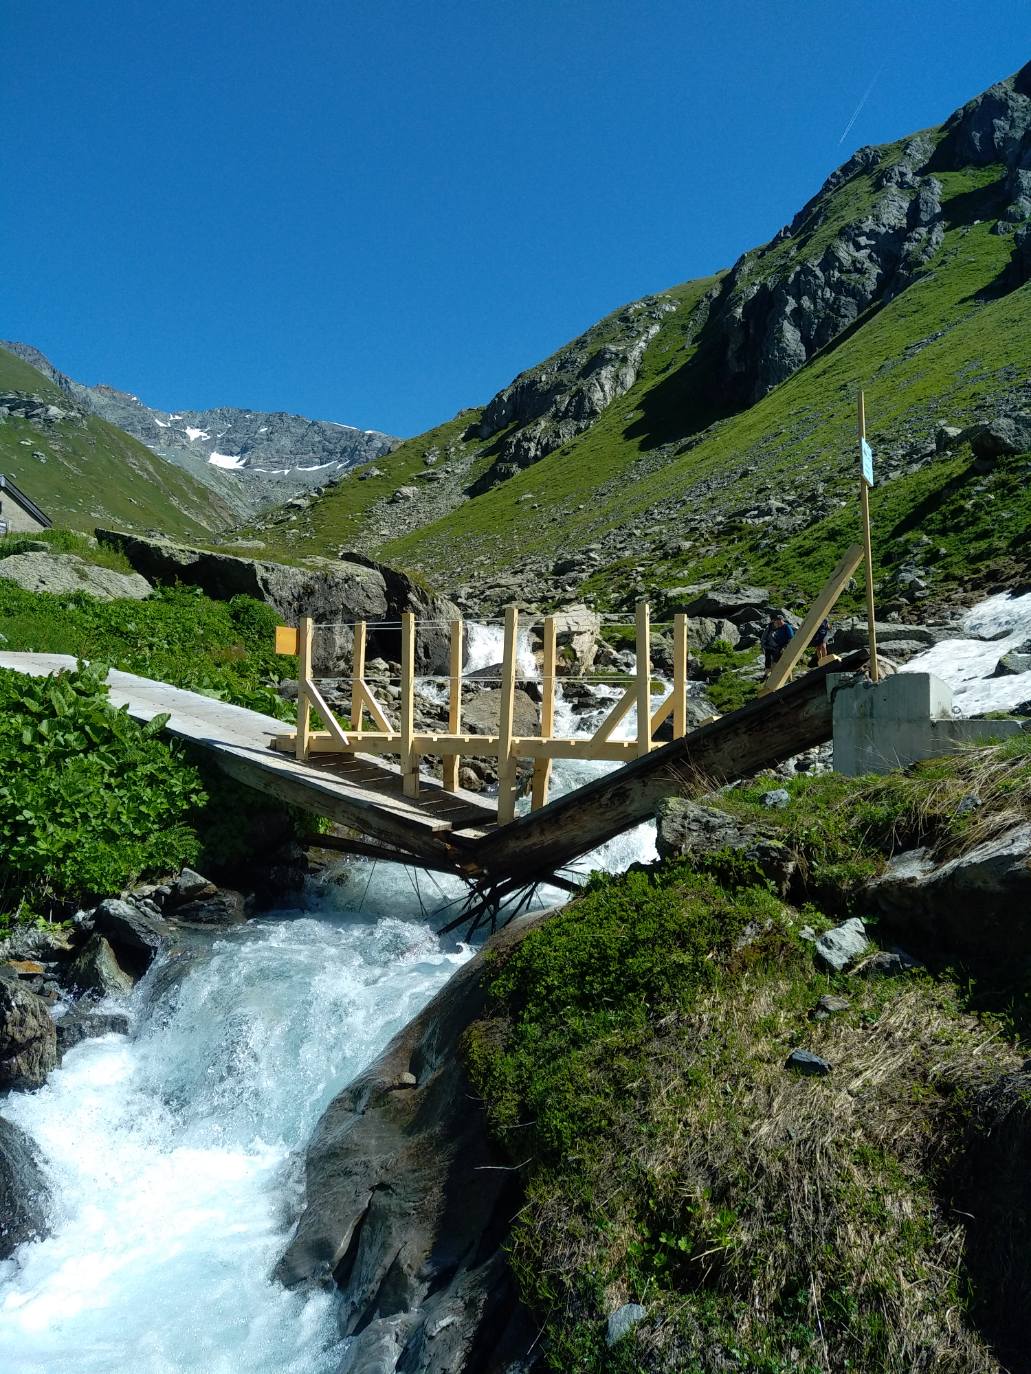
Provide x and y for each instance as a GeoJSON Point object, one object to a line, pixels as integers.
{"type": "Point", "coordinates": [84, 472]}
{"type": "Point", "coordinates": [669, 484]}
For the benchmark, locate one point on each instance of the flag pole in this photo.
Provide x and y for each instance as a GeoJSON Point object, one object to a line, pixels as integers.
{"type": "Point", "coordinates": [864, 502]}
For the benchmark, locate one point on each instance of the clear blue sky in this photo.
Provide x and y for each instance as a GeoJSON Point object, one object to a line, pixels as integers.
{"type": "Point", "coordinates": [381, 212]}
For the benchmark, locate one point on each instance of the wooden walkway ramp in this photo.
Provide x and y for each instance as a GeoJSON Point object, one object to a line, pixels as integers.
{"type": "Point", "coordinates": [459, 830]}
{"type": "Point", "coordinates": [362, 793]}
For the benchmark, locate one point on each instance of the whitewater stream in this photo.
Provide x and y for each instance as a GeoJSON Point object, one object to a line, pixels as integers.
{"type": "Point", "coordinates": [173, 1152]}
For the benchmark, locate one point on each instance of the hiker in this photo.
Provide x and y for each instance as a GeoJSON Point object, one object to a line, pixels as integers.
{"type": "Point", "coordinates": [820, 639]}
{"type": "Point", "coordinates": [775, 638]}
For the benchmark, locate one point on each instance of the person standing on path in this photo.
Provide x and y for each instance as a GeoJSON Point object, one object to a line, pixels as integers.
{"type": "Point", "coordinates": [775, 638]}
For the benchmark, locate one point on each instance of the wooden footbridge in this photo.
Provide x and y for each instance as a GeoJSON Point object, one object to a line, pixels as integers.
{"type": "Point", "coordinates": [345, 771]}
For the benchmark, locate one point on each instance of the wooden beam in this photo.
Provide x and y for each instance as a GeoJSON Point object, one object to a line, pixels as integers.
{"type": "Point", "coordinates": [333, 726]}
{"type": "Point", "coordinates": [621, 709]}
{"type": "Point", "coordinates": [365, 849]}
{"type": "Point", "coordinates": [454, 706]}
{"type": "Point", "coordinates": [796, 647]}
{"type": "Point", "coordinates": [409, 758]}
{"type": "Point", "coordinates": [357, 676]}
{"type": "Point", "coordinates": [662, 711]}
{"type": "Point", "coordinates": [864, 506]}
{"type": "Point", "coordinates": [759, 735]}
{"type": "Point", "coordinates": [679, 675]}
{"type": "Point", "coordinates": [542, 767]}
{"type": "Point", "coordinates": [642, 620]}
{"type": "Point", "coordinates": [506, 759]}
{"type": "Point", "coordinates": [304, 661]}
{"type": "Point", "coordinates": [375, 710]}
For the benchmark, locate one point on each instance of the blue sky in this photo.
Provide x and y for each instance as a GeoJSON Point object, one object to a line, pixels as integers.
{"type": "Point", "coordinates": [380, 212]}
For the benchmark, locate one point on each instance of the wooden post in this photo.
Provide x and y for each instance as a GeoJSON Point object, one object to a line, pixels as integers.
{"type": "Point", "coordinates": [542, 766]}
{"type": "Point", "coordinates": [409, 758]}
{"type": "Point", "coordinates": [454, 710]}
{"type": "Point", "coordinates": [644, 678]}
{"type": "Point", "coordinates": [506, 760]}
{"type": "Point", "coordinates": [358, 676]}
{"type": "Point", "coordinates": [679, 676]}
{"type": "Point", "coordinates": [864, 502]}
{"type": "Point", "coordinates": [304, 661]}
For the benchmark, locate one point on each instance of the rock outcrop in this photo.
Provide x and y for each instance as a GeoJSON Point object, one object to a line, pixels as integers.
{"type": "Point", "coordinates": [28, 1038]}
{"type": "Point", "coordinates": [60, 573]}
{"type": "Point", "coordinates": [688, 830]}
{"type": "Point", "coordinates": [334, 595]}
{"type": "Point", "coordinates": [24, 1195]}
{"type": "Point", "coordinates": [407, 1203]}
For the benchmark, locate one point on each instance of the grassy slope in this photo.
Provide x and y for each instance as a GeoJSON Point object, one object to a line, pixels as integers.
{"type": "Point", "coordinates": [95, 473]}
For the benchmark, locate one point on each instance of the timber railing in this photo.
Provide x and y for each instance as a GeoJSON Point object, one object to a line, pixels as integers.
{"type": "Point", "coordinates": [410, 744]}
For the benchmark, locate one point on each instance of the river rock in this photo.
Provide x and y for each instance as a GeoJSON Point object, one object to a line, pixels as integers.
{"type": "Point", "coordinates": [24, 1195]}
{"type": "Point", "coordinates": [82, 1021]}
{"type": "Point", "coordinates": [976, 907]}
{"type": "Point", "coordinates": [334, 595]}
{"type": "Point", "coordinates": [225, 908]}
{"type": "Point", "coordinates": [686, 829]}
{"type": "Point", "coordinates": [481, 713]}
{"type": "Point", "coordinates": [59, 573]}
{"type": "Point", "coordinates": [407, 1199]}
{"type": "Point", "coordinates": [136, 935]}
{"type": "Point", "coordinates": [28, 1038]}
{"type": "Point", "coordinates": [838, 948]}
{"type": "Point", "coordinates": [96, 969]}
{"type": "Point", "coordinates": [190, 885]}
{"type": "Point", "coordinates": [576, 632]}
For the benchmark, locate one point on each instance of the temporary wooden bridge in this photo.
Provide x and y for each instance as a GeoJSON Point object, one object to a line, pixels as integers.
{"type": "Point", "coordinates": [392, 812]}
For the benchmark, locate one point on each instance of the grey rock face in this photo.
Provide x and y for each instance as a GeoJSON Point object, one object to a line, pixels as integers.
{"type": "Point", "coordinates": [136, 936]}
{"type": "Point", "coordinates": [334, 595]}
{"type": "Point", "coordinates": [28, 1038]}
{"type": "Point", "coordinates": [24, 1195]}
{"type": "Point", "coordinates": [406, 1201]}
{"type": "Point", "coordinates": [226, 907]}
{"type": "Point", "coordinates": [838, 948]}
{"type": "Point", "coordinates": [976, 907]}
{"type": "Point", "coordinates": [82, 1021]}
{"type": "Point", "coordinates": [58, 573]}
{"type": "Point", "coordinates": [576, 633]}
{"type": "Point", "coordinates": [96, 969]}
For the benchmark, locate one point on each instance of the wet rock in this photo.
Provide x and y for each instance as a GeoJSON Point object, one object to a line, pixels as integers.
{"type": "Point", "coordinates": [135, 935]}
{"type": "Point", "coordinates": [838, 948]}
{"type": "Point", "coordinates": [82, 1021]}
{"type": "Point", "coordinates": [24, 1195]}
{"type": "Point", "coordinates": [96, 969]}
{"type": "Point", "coordinates": [407, 1200]}
{"type": "Point", "coordinates": [805, 1062]}
{"type": "Point", "coordinates": [189, 886]}
{"type": "Point", "coordinates": [624, 1319]}
{"type": "Point", "coordinates": [28, 1038]}
{"type": "Point", "coordinates": [225, 908]}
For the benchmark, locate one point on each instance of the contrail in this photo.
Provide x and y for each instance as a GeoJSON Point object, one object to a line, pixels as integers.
{"type": "Point", "coordinates": [859, 108]}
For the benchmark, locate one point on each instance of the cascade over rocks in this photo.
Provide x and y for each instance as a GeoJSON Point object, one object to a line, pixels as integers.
{"type": "Point", "coordinates": [357, 588]}
{"type": "Point", "coordinates": [407, 1202]}
{"type": "Point", "coordinates": [24, 1195]}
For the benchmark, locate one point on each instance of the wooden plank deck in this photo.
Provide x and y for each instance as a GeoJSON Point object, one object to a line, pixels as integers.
{"type": "Point", "coordinates": [361, 792]}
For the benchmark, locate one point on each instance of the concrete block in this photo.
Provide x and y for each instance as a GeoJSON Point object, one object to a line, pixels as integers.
{"type": "Point", "coordinates": [905, 718]}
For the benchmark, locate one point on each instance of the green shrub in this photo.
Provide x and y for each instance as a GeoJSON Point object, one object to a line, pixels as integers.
{"type": "Point", "coordinates": [90, 800]}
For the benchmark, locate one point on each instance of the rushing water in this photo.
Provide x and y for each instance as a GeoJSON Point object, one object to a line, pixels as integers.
{"type": "Point", "coordinates": [172, 1151]}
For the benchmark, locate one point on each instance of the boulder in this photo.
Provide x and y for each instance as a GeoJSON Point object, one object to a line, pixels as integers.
{"type": "Point", "coordinates": [624, 1319]}
{"type": "Point", "coordinates": [59, 573]}
{"type": "Point", "coordinates": [24, 1195]}
{"type": "Point", "coordinates": [96, 969]}
{"type": "Point", "coordinates": [355, 588]}
{"type": "Point", "coordinates": [976, 907]}
{"type": "Point", "coordinates": [807, 1063]}
{"type": "Point", "coordinates": [1006, 434]}
{"type": "Point", "coordinates": [1014, 662]}
{"type": "Point", "coordinates": [82, 1020]}
{"type": "Point", "coordinates": [136, 935]}
{"type": "Point", "coordinates": [686, 829]}
{"type": "Point", "coordinates": [576, 630]}
{"type": "Point", "coordinates": [838, 948]}
{"type": "Point", "coordinates": [28, 1038]}
{"type": "Point", "coordinates": [225, 908]}
{"type": "Point", "coordinates": [851, 634]}
{"type": "Point", "coordinates": [190, 885]}
{"type": "Point", "coordinates": [407, 1201]}
{"type": "Point", "coordinates": [732, 603]}
{"type": "Point", "coordinates": [482, 711]}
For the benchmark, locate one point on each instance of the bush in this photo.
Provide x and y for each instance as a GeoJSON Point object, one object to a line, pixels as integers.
{"type": "Point", "coordinates": [90, 800]}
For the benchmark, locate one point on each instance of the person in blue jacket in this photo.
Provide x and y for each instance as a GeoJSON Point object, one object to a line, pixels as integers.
{"type": "Point", "coordinates": [775, 638]}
